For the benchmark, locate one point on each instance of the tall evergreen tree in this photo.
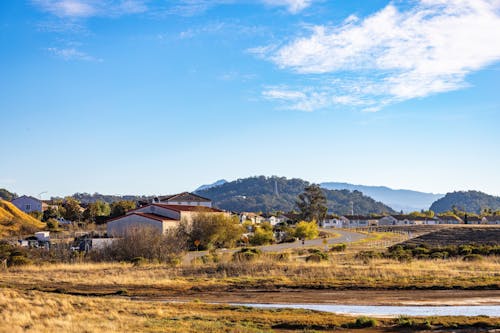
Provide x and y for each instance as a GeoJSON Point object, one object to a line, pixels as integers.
{"type": "Point", "coordinates": [312, 204]}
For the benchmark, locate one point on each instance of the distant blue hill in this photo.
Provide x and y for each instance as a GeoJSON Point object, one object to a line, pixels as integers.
{"type": "Point", "coordinates": [207, 186]}
{"type": "Point", "coordinates": [405, 200]}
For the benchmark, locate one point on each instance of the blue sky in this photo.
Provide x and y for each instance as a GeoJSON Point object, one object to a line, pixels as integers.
{"type": "Point", "coordinates": [156, 97]}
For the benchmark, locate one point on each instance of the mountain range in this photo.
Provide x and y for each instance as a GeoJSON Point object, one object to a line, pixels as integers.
{"type": "Point", "coordinates": [399, 200]}
{"type": "Point", "coordinates": [268, 194]}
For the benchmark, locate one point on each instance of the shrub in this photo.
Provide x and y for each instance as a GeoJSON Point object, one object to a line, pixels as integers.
{"type": "Point", "coordinates": [362, 322]}
{"type": "Point", "coordinates": [316, 256]}
{"type": "Point", "coordinates": [367, 255]}
{"type": "Point", "coordinates": [439, 255]}
{"type": "Point", "coordinates": [473, 257]}
{"type": "Point", "coordinates": [143, 242]}
{"type": "Point", "coordinates": [18, 260]}
{"type": "Point", "coordinates": [247, 254]}
{"type": "Point", "coordinates": [262, 236]}
{"type": "Point", "coordinates": [338, 247]}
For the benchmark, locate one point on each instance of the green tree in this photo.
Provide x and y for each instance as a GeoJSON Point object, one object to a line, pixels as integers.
{"type": "Point", "coordinates": [72, 209]}
{"type": "Point", "coordinates": [262, 235]}
{"type": "Point", "coordinates": [51, 213]}
{"type": "Point", "coordinates": [312, 204]}
{"type": "Point", "coordinates": [119, 208]}
{"type": "Point", "coordinates": [98, 208]}
{"type": "Point", "coordinates": [306, 230]}
{"type": "Point", "coordinates": [212, 230]}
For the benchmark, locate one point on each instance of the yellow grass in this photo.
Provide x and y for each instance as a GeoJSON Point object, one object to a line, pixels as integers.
{"type": "Point", "coordinates": [31, 311]}
{"type": "Point", "coordinates": [339, 272]}
{"type": "Point", "coordinates": [12, 219]}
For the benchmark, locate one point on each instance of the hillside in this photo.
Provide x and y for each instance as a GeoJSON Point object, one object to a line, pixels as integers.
{"type": "Point", "coordinates": [405, 200]}
{"type": "Point", "coordinates": [267, 194]}
{"type": "Point", "coordinates": [470, 201]}
{"type": "Point", "coordinates": [14, 222]}
{"type": "Point", "coordinates": [6, 195]}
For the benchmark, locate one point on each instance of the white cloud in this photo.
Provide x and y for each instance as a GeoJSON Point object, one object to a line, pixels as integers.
{"type": "Point", "coordinates": [293, 6]}
{"type": "Point", "coordinates": [71, 53]}
{"type": "Point", "coordinates": [395, 55]}
{"type": "Point", "coordinates": [90, 8]}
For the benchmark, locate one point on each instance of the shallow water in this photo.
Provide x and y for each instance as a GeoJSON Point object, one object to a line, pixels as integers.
{"type": "Point", "coordinates": [389, 311]}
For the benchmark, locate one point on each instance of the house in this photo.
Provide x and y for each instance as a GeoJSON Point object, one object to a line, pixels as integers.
{"type": "Point", "coordinates": [158, 216]}
{"type": "Point", "coordinates": [28, 204]}
{"type": "Point", "coordinates": [274, 219]}
{"type": "Point", "coordinates": [252, 217]}
{"type": "Point", "coordinates": [355, 221]}
{"type": "Point", "coordinates": [449, 219]}
{"type": "Point", "coordinates": [334, 221]}
{"type": "Point", "coordinates": [491, 219]}
{"type": "Point", "coordinates": [184, 199]}
{"type": "Point", "coordinates": [406, 220]}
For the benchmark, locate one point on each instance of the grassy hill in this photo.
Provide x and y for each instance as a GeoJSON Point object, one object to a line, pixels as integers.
{"type": "Point", "coordinates": [13, 221]}
{"type": "Point", "coordinates": [470, 201]}
{"type": "Point", "coordinates": [267, 194]}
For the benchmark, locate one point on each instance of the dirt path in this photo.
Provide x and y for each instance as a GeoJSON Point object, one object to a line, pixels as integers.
{"type": "Point", "coordinates": [346, 297]}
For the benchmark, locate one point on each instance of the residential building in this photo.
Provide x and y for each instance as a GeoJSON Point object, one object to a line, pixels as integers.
{"type": "Point", "coordinates": [491, 219]}
{"type": "Point", "coordinates": [28, 204]}
{"type": "Point", "coordinates": [157, 216]}
{"type": "Point", "coordinates": [184, 199]}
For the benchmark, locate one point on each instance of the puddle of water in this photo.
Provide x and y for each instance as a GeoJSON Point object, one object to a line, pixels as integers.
{"type": "Point", "coordinates": [390, 311]}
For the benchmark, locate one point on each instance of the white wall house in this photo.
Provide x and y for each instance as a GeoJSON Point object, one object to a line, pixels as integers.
{"type": "Point", "coordinates": [332, 221]}
{"type": "Point", "coordinates": [491, 220]}
{"type": "Point", "coordinates": [160, 217]}
{"type": "Point", "coordinates": [28, 204]}
{"type": "Point", "coordinates": [359, 221]}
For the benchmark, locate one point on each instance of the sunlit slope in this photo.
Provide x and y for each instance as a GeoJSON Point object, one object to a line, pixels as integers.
{"type": "Point", "coordinates": [13, 221]}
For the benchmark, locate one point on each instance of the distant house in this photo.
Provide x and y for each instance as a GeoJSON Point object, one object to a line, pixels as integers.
{"type": "Point", "coordinates": [356, 221]}
{"type": "Point", "coordinates": [252, 217]}
{"type": "Point", "coordinates": [491, 219]}
{"type": "Point", "coordinates": [28, 204]}
{"type": "Point", "coordinates": [184, 199]}
{"type": "Point", "coordinates": [406, 220]}
{"type": "Point", "coordinates": [157, 216]}
{"type": "Point", "coordinates": [274, 219]}
{"type": "Point", "coordinates": [333, 221]}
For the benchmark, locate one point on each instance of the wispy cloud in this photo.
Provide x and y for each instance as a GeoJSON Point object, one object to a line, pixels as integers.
{"type": "Point", "coordinates": [293, 6]}
{"type": "Point", "coordinates": [390, 56]}
{"type": "Point", "coordinates": [89, 8]}
{"type": "Point", "coordinates": [71, 53]}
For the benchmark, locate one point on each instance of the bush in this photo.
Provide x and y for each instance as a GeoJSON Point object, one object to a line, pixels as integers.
{"type": "Point", "coordinates": [368, 255]}
{"type": "Point", "coordinates": [262, 236]}
{"type": "Point", "coordinates": [439, 255]}
{"type": "Point", "coordinates": [316, 256]}
{"type": "Point", "coordinates": [145, 243]}
{"type": "Point", "coordinates": [52, 224]}
{"type": "Point", "coordinates": [18, 260]}
{"type": "Point", "coordinates": [473, 257]}
{"type": "Point", "coordinates": [362, 322]}
{"type": "Point", "coordinates": [338, 247]}
{"type": "Point", "coordinates": [247, 254]}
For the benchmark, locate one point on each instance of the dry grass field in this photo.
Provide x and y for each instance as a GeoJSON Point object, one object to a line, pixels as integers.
{"type": "Point", "coordinates": [32, 311]}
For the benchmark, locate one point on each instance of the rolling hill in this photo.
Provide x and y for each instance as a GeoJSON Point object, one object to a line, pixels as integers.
{"type": "Point", "coordinates": [15, 222]}
{"type": "Point", "coordinates": [468, 201]}
{"type": "Point", "coordinates": [267, 194]}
